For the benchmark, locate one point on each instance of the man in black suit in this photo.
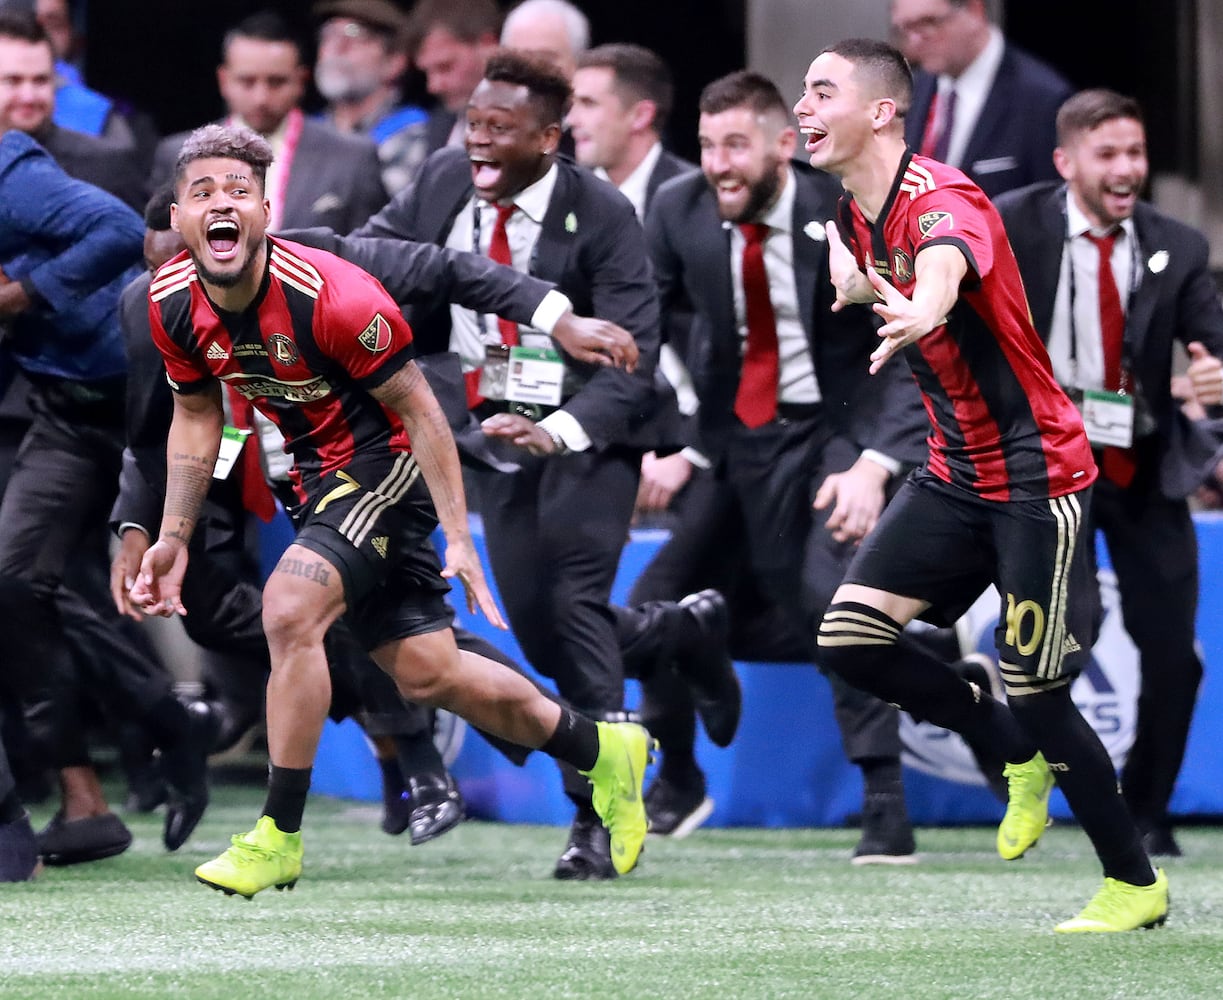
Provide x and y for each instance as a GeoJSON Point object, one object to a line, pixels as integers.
{"type": "Point", "coordinates": [557, 513]}
{"type": "Point", "coordinates": [979, 102]}
{"type": "Point", "coordinates": [1095, 260]}
{"type": "Point", "coordinates": [320, 177]}
{"type": "Point", "coordinates": [816, 427]}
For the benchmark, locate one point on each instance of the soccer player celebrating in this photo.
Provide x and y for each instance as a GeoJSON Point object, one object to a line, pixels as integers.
{"type": "Point", "coordinates": [1004, 491]}
{"type": "Point", "coordinates": [322, 350]}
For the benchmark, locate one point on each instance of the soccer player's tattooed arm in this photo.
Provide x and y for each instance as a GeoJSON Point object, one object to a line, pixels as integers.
{"type": "Point", "coordinates": [409, 396]}
{"type": "Point", "coordinates": [847, 278]}
{"type": "Point", "coordinates": [191, 453]}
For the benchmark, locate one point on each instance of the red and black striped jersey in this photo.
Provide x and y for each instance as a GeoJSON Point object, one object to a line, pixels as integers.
{"type": "Point", "coordinates": [320, 333]}
{"type": "Point", "coordinates": [1000, 424]}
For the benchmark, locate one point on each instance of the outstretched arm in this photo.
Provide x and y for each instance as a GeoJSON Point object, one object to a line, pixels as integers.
{"type": "Point", "coordinates": [191, 454]}
{"type": "Point", "coordinates": [409, 396]}
{"type": "Point", "coordinates": [939, 269]}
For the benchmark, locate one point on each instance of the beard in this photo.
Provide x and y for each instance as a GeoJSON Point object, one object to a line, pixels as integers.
{"type": "Point", "coordinates": [341, 83]}
{"type": "Point", "coordinates": [762, 193]}
{"type": "Point", "coordinates": [228, 279]}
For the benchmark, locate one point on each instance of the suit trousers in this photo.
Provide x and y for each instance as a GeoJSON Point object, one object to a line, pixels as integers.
{"type": "Point", "coordinates": [56, 505]}
{"type": "Point", "coordinates": [1153, 547]}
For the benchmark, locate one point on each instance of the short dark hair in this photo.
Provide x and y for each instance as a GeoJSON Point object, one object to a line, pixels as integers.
{"type": "Point", "coordinates": [265, 26]}
{"type": "Point", "coordinates": [1089, 109]}
{"type": "Point", "coordinates": [881, 66]}
{"type": "Point", "coordinates": [467, 20]}
{"type": "Point", "coordinates": [640, 75]}
{"type": "Point", "coordinates": [743, 88]}
{"type": "Point", "coordinates": [550, 91]}
{"type": "Point", "coordinates": [22, 26]}
{"type": "Point", "coordinates": [232, 142]}
{"type": "Point", "coordinates": [157, 209]}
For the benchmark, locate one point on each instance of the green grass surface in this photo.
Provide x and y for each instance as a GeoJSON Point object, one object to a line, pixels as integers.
{"type": "Point", "coordinates": [726, 913]}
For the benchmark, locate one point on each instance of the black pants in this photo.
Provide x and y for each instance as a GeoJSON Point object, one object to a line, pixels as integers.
{"type": "Point", "coordinates": [54, 510]}
{"type": "Point", "coordinates": [1153, 547]}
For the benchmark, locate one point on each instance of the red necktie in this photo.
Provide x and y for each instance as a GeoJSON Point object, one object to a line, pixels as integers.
{"type": "Point", "coordinates": [499, 251]}
{"type": "Point", "coordinates": [256, 494]}
{"type": "Point", "coordinates": [756, 400]}
{"type": "Point", "coordinates": [936, 138]}
{"type": "Point", "coordinates": [1117, 464]}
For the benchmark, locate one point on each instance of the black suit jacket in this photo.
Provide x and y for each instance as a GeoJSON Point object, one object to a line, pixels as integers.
{"type": "Point", "coordinates": [335, 179]}
{"type": "Point", "coordinates": [690, 248]}
{"type": "Point", "coordinates": [668, 167]}
{"type": "Point", "coordinates": [591, 247]}
{"type": "Point", "coordinates": [1013, 140]}
{"type": "Point", "coordinates": [1177, 301]}
{"type": "Point", "coordinates": [99, 162]}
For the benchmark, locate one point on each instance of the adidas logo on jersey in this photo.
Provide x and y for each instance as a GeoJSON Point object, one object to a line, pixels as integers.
{"type": "Point", "coordinates": [379, 543]}
{"type": "Point", "coordinates": [1070, 645]}
{"type": "Point", "coordinates": [216, 352]}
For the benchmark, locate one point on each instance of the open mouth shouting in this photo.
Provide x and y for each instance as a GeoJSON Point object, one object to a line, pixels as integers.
{"type": "Point", "coordinates": [814, 137]}
{"type": "Point", "coordinates": [222, 238]}
{"type": "Point", "coordinates": [485, 174]}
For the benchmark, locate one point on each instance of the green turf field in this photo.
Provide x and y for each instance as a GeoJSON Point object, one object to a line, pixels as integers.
{"type": "Point", "coordinates": [726, 913]}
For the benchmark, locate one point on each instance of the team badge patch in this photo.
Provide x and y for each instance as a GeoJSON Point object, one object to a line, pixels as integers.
{"type": "Point", "coordinates": [902, 266]}
{"type": "Point", "coordinates": [282, 349]}
{"type": "Point", "coordinates": [930, 221]}
{"type": "Point", "coordinates": [376, 337]}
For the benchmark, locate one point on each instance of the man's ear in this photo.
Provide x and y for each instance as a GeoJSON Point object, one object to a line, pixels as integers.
{"type": "Point", "coordinates": [174, 217]}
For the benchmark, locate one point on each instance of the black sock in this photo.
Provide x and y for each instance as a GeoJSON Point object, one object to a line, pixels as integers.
{"type": "Point", "coordinates": [286, 801]}
{"type": "Point", "coordinates": [392, 778]}
{"type": "Point", "coordinates": [418, 754]}
{"type": "Point", "coordinates": [575, 741]}
{"type": "Point", "coordinates": [11, 809]}
{"type": "Point", "coordinates": [881, 775]}
{"type": "Point", "coordinates": [1086, 777]}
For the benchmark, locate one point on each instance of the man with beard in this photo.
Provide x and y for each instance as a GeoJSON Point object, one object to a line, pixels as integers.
{"type": "Point", "coordinates": [362, 57]}
{"type": "Point", "coordinates": [321, 349]}
{"type": "Point", "coordinates": [785, 416]}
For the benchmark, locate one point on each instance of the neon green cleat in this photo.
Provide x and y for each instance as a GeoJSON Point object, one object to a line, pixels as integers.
{"type": "Point", "coordinates": [1027, 809]}
{"type": "Point", "coordinates": [624, 752]}
{"type": "Point", "coordinates": [258, 859]}
{"type": "Point", "coordinates": [1119, 906]}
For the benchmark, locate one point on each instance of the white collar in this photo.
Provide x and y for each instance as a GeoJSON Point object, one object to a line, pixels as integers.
{"type": "Point", "coordinates": [533, 200]}
{"type": "Point", "coordinates": [979, 74]}
{"type": "Point", "coordinates": [637, 183]}
{"type": "Point", "coordinates": [1077, 224]}
{"type": "Point", "coordinates": [781, 216]}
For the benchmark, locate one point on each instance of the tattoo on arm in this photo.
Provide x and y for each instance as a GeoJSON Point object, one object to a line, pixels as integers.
{"type": "Point", "coordinates": [187, 482]}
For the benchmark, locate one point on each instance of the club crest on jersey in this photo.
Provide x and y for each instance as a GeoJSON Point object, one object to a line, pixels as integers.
{"type": "Point", "coordinates": [282, 349]}
{"type": "Point", "coordinates": [902, 265]}
{"type": "Point", "coordinates": [376, 337]}
{"type": "Point", "coordinates": [930, 221]}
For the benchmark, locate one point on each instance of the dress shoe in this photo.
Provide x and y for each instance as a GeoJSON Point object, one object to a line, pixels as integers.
{"type": "Point", "coordinates": [588, 853]}
{"type": "Point", "coordinates": [887, 834]}
{"type": "Point", "coordinates": [185, 766]}
{"type": "Point", "coordinates": [1159, 842]}
{"type": "Point", "coordinates": [18, 851]}
{"type": "Point", "coordinates": [436, 806]}
{"type": "Point", "coordinates": [703, 660]}
{"type": "Point", "coordinates": [676, 810]}
{"type": "Point", "coordinates": [72, 842]}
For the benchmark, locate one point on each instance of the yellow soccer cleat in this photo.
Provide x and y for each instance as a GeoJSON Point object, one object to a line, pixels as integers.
{"type": "Point", "coordinates": [1120, 906]}
{"type": "Point", "coordinates": [1027, 809]}
{"type": "Point", "coordinates": [256, 860]}
{"type": "Point", "coordinates": [624, 752]}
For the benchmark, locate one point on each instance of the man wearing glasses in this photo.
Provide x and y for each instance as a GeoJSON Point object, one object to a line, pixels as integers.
{"type": "Point", "coordinates": [979, 102]}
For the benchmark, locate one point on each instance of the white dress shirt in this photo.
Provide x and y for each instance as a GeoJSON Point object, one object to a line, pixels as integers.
{"type": "Point", "coordinates": [972, 87]}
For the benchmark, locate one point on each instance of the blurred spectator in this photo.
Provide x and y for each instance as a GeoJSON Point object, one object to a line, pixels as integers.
{"type": "Point", "coordinates": [1113, 285]}
{"type": "Point", "coordinates": [450, 42]}
{"type": "Point", "coordinates": [552, 30]}
{"type": "Point", "coordinates": [979, 102]}
{"type": "Point", "coordinates": [362, 57]}
{"type": "Point", "coordinates": [320, 177]}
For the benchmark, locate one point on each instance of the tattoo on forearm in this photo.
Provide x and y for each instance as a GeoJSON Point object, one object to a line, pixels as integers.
{"type": "Point", "coordinates": [187, 482]}
{"type": "Point", "coordinates": [318, 571]}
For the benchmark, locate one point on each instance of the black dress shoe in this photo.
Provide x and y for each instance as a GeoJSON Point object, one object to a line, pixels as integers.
{"type": "Point", "coordinates": [18, 851]}
{"type": "Point", "coordinates": [1160, 843]}
{"type": "Point", "coordinates": [185, 767]}
{"type": "Point", "coordinates": [703, 660]}
{"type": "Point", "coordinates": [588, 853]}
{"type": "Point", "coordinates": [72, 842]}
{"type": "Point", "coordinates": [436, 806]}
{"type": "Point", "coordinates": [676, 810]}
{"type": "Point", "coordinates": [887, 834]}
